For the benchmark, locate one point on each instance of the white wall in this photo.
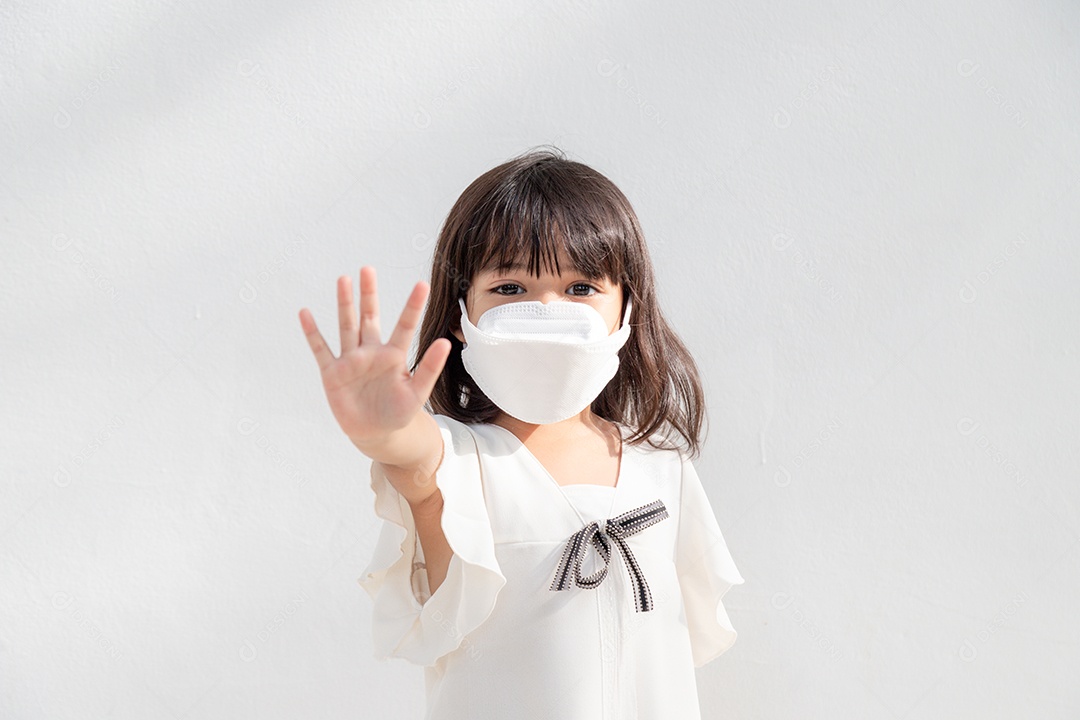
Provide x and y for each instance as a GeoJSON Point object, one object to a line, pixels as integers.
{"type": "Point", "coordinates": [863, 218]}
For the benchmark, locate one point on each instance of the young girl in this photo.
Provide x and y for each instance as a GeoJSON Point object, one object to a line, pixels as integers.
{"type": "Point", "coordinates": [546, 550]}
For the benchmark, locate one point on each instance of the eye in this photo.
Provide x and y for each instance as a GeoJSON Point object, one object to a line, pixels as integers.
{"type": "Point", "coordinates": [500, 287]}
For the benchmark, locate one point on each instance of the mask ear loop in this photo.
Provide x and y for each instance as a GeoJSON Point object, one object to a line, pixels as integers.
{"type": "Point", "coordinates": [464, 314]}
{"type": "Point", "coordinates": [626, 313]}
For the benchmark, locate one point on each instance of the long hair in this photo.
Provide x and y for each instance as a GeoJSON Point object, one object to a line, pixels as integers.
{"type": "Point", "coordinates": [526, 210]}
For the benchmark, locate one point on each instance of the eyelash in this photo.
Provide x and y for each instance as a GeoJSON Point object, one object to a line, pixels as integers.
{"type": "Point", "coordinates": [496, 289]}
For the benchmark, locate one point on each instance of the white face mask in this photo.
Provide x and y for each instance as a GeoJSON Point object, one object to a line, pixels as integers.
{"type": "Point", "coordinates": [542, 363]}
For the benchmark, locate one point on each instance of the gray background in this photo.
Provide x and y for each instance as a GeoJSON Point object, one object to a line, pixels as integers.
{"type": "Point", "coordinates": [863, 218]}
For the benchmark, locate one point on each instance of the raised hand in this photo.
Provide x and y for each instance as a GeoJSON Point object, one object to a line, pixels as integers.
{"type": "Point", "coordinates": [369, 387]}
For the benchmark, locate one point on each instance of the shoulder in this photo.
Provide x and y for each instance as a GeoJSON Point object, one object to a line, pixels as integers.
{"type": "Point", "coordinates": [656, 455]}
{"type": "Point", "coordinates": [657, 443]}
{"type": "Point", "coordinates": [466, 437]}
{"type": "Point", "coordinates": [457, 426]}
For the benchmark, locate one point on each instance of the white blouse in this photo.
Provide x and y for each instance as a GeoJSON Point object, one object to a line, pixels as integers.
{"type": "Point", "coordinates": [497, 640]}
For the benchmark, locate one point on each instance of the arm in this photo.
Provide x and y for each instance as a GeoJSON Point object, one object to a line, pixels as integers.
{"type": "Point", "coordinates": [437, 553]}
{"type": "Point", "coordinates": [412, 465]}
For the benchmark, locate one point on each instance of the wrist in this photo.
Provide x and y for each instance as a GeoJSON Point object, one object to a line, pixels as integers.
{"type": "Point", "coordinates": [394, 447]}
{"type": "Point", "coordinates": [371, 446]}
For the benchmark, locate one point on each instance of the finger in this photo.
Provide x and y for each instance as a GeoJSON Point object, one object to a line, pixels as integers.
{"type": "Point", "coordinates": [430, 367]}
{"type": "Point", "coordinates": [369, 308]}
{"type": "Point", "coordinates": [346, 313]}
{"type": "Point", "coordinates": [402, 336]}
{"type": "Point", "coordinates": [323, 354]}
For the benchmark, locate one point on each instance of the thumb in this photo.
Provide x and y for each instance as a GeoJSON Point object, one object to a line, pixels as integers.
{"type": "Point", "coordinates": [430, 367]}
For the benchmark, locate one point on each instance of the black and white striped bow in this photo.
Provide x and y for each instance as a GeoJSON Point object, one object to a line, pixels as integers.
{"type": "Point", "coordinates": [616, 530]}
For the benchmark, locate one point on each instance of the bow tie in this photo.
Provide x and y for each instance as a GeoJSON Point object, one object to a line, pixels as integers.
{"type": "Point", "coordinates": [615, 530]}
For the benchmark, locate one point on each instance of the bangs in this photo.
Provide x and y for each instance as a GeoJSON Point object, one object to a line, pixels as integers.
{"type": "Point", "coordinates": [538, 224]}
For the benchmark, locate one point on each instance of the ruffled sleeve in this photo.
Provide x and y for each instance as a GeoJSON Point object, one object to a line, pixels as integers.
{"type": "Point", "coordinates": [408, 621]}
{"type": "Point", "coordinates": [706, 571]}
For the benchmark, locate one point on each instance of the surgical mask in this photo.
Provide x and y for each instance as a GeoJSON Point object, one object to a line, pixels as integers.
{"type": "Point", "coordinates": [542, 363]}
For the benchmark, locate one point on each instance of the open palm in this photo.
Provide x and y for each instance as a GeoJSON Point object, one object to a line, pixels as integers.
{"type": "Point", "coordinates": [369, 387]}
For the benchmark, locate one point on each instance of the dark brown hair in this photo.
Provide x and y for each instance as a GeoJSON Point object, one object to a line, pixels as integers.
{"type": "Point", "coordinates": [529, 209]}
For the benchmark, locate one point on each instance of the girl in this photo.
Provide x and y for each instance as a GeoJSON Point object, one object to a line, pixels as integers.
{"type": "Point", "coordinates": [546, 550]}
